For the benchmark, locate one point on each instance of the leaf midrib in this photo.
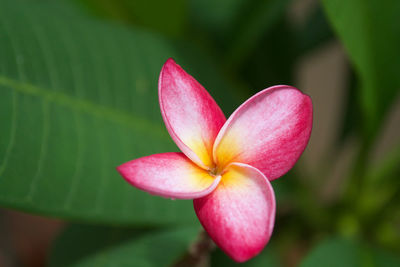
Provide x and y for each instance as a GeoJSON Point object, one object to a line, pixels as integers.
{"type": "Point", "coordinates": [124, 118]}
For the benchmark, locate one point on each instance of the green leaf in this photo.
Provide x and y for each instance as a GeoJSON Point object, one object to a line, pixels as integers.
{"type": "Point", "coordinates": [370, 32]}
{"type": "Point", "coordinates": [342, 252]}
{"type": "Point", "coordinates": [102, 246]}
{"type": "Point", "coordinates": [334, 252]}
{"type": "Point", "coordinates": [383, 258]}
{"type": "Point", "coordinates": [167, 17]}
{"type": "Point", "coordinates": [216, 18]}
{"type": "Point", "coordinates": [267, 257]}
{"type": "Point", "coordinates": [77, 98]}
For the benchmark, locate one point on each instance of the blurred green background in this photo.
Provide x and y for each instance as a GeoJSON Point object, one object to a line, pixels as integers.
{"type": "Point", "coordinates": [78, 96]}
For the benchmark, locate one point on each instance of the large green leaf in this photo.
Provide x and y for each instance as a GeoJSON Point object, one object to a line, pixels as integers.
{"type": "Point", "coordinates": [341, 252]}
{"type": "Point", "coordinates": [77, 98]}
{"type": "Point", "coordinates": [370, 31]}
{"type": "Point", "coordinates": [101, 246]}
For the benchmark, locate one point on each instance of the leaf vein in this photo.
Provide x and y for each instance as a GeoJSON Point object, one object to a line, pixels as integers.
{"type": "Point", "coordinates": [84, 106]}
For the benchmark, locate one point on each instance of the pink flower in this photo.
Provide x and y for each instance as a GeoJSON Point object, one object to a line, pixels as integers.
{"type": "Point", "coordinates": [226, 165]}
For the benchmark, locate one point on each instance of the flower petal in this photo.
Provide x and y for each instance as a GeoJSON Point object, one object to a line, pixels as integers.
{"type": "Point", "coordinates": [192, 117]}
{"type": "Point", "coordinates": [169, 175]}
{"type": "Point", "coordinates": [239, 214]}
{"type": "Point", "coordinates": [269, 131]}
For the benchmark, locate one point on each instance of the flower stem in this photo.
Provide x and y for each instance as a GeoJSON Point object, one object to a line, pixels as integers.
{"type": "Point", "coordinates": [198, 253]}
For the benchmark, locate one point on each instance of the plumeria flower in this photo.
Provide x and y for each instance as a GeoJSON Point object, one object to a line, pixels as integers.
{"type": "Point", "coordinates": [226, 165]}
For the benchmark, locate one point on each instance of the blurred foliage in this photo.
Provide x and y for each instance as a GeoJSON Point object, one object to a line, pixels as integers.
{"type": "Point", "coordinates": [105, 246]}
{"type": "Point", "coordinates": [167, 17]}
{"type": "Point", "coordinates": [334, 252]}
{"type": "Point", "coordinates": [78, 96]}
{"type": "Point", "coordinates": [266, 258]}
{"type": "Point", "coordinates": [371, 34]}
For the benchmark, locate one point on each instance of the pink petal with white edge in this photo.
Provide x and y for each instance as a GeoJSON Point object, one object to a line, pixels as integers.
{"type": "Point", "coordinates": [170, 175]}
{"type": "Point", "coordinates": [192, 117]}
{"type": "Point", "coordinates": [239, 214]}
{"type": "Point", "coordinates": [269, 131]}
